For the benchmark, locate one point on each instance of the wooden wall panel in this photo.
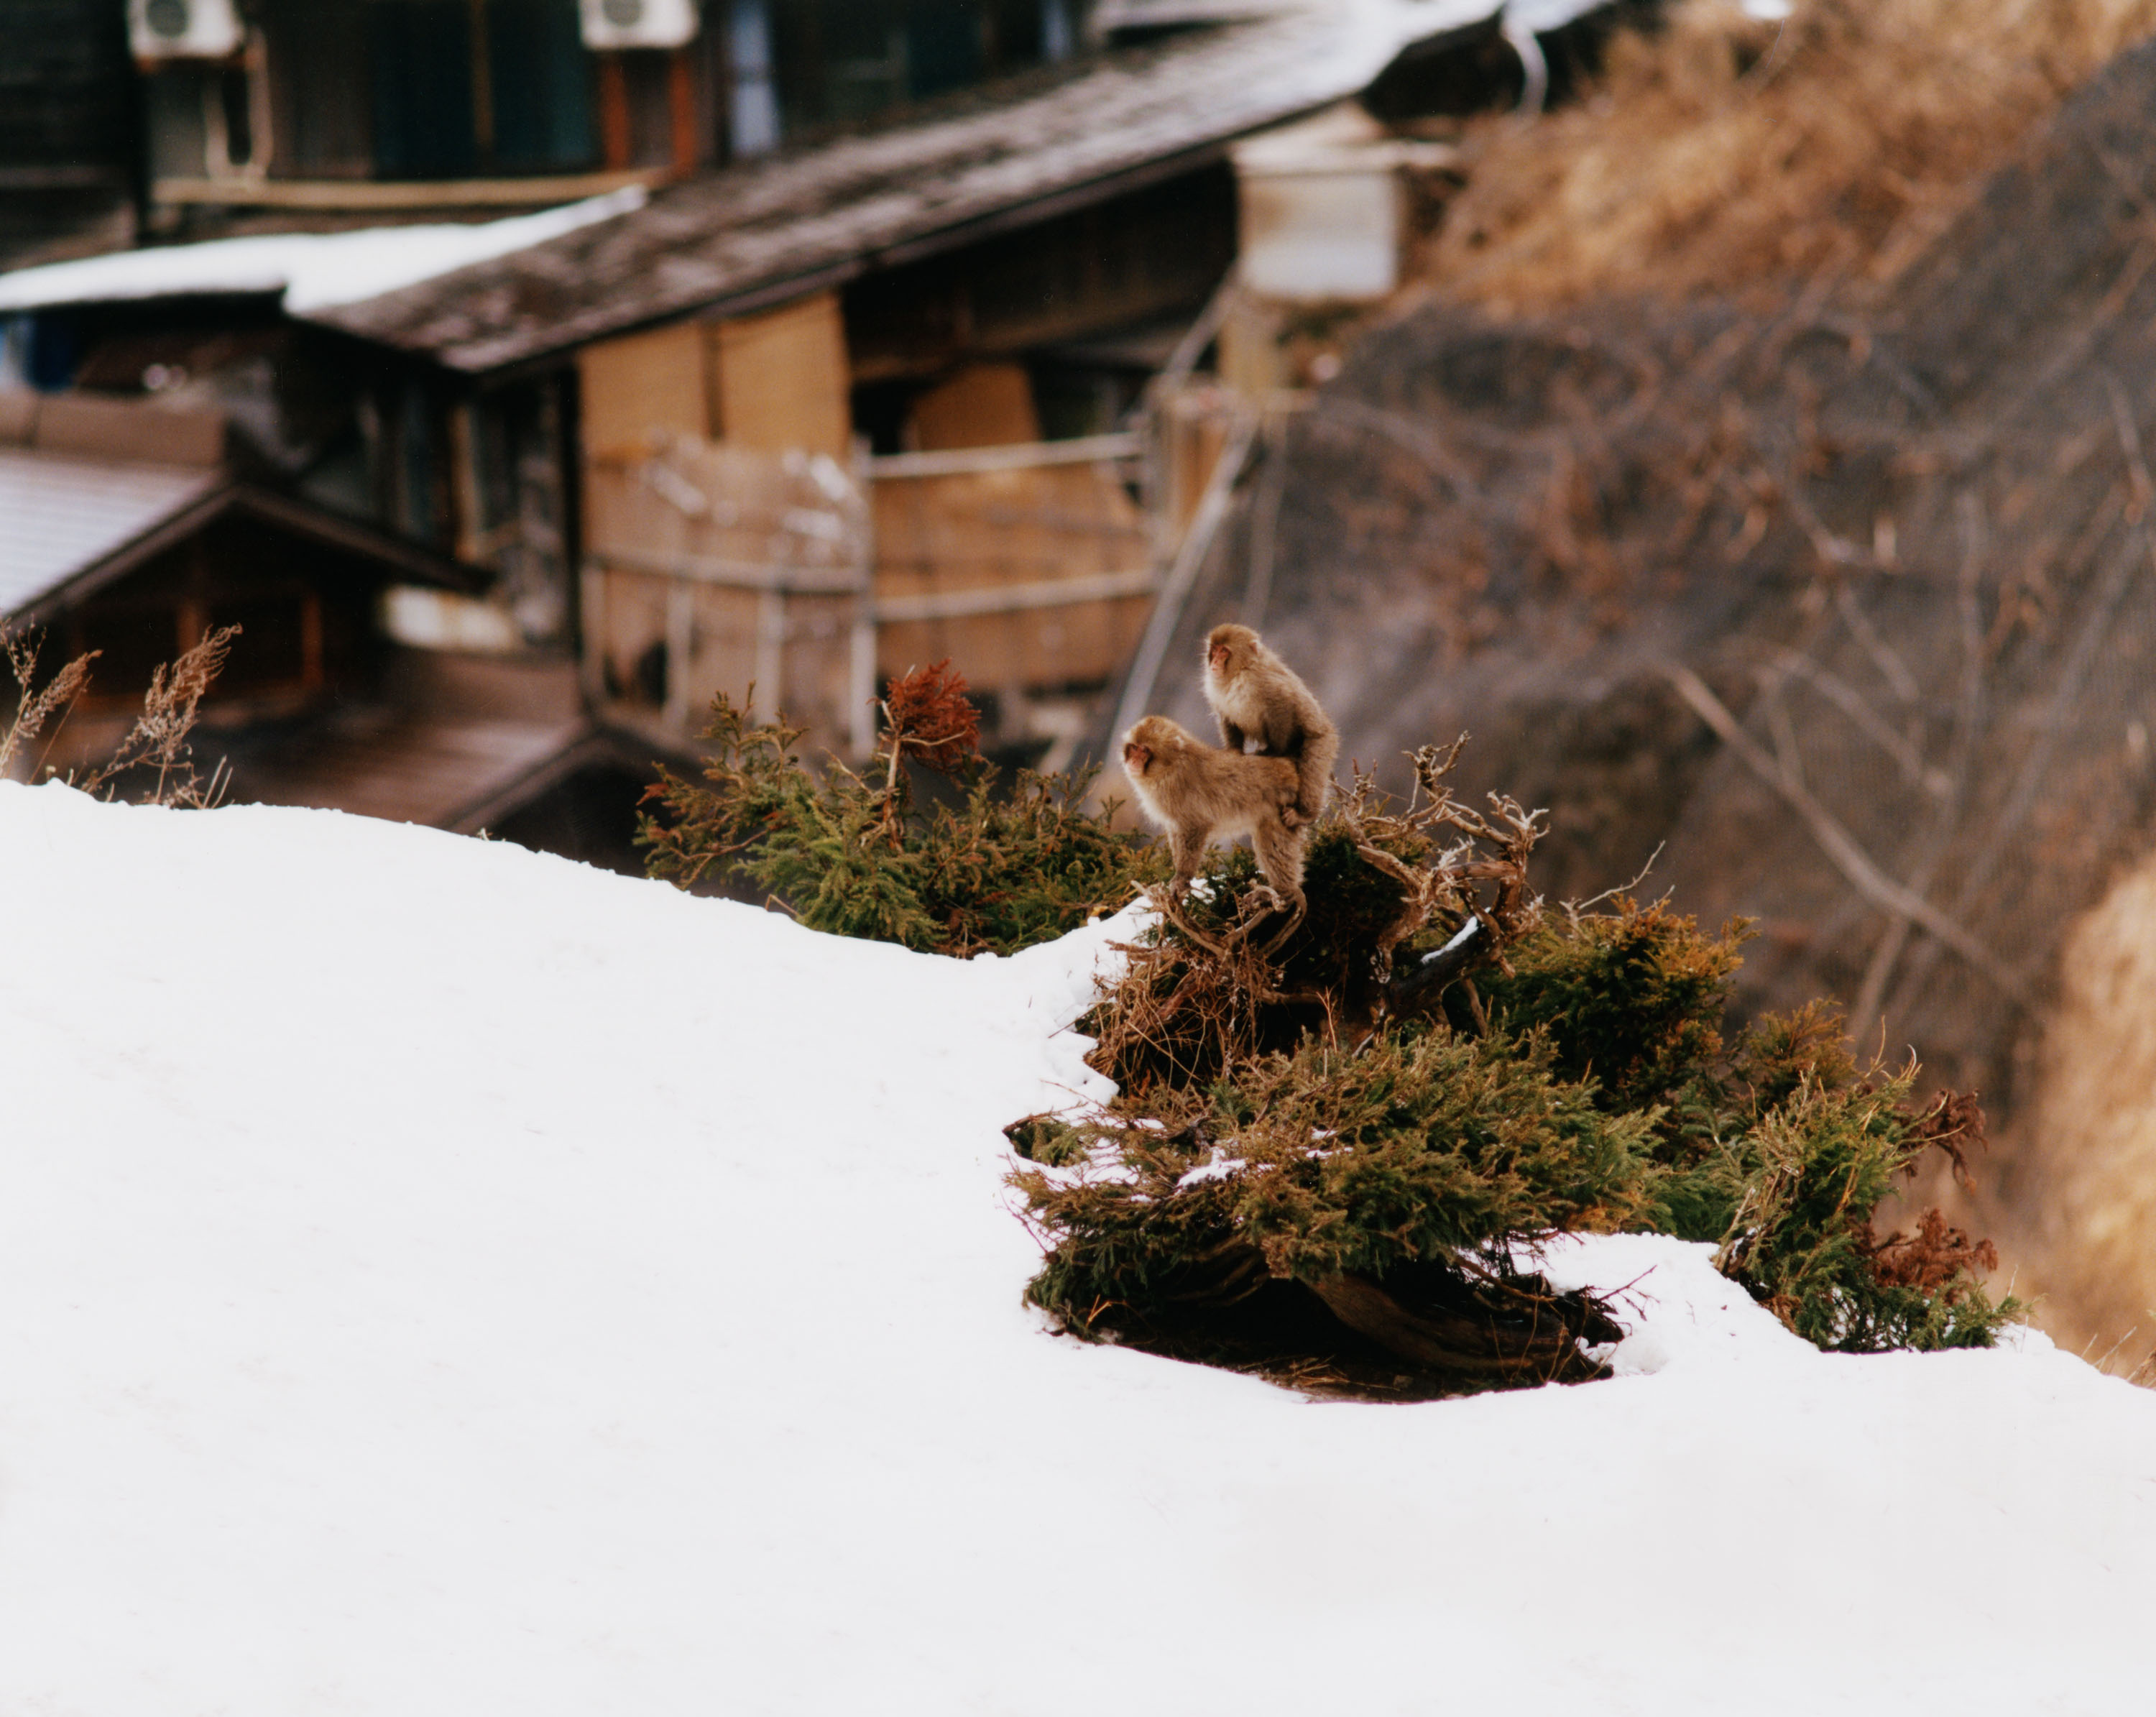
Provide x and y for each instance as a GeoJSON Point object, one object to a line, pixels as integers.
{"type": "Point", "coordinates": [980, 529]}
{"type": "Point", "coordinates": [722, 650]}
{"type": "Point", "coordinates": [641, 384]}
{"type": "Point", "coordinates": [983, 405]}
{"type": "Point", "coordinates": [1039, 649]}
{"type": "Point", "coordinates": [633, 619]}
{"type": "Point", "coordinates": [1021, 533]}
{"type": "Point", "coordinates": [781, 379]}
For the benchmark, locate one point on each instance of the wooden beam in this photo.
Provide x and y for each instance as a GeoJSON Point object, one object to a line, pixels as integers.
{"type": "Point", "coordinates": [733, 574]}
{"type": "Point", "coordinates": [389, 194]}
{"type": "Point", "coordinates": [957, 461]}
{"type": "Point", "coordinates": [1015, 598]}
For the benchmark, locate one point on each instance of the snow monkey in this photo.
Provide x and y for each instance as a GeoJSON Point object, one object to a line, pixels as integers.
{"type": "Point", "coordinates": [1197, 791]}
{"type": "Point", "coordinates": [1255, 695]}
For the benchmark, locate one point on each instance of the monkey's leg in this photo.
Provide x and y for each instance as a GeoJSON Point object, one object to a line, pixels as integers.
{"type": "Point", "coordinates": [1280, 857]}
{"type": "Point", "coordinates": [1314, 772]}
{"type": "Point", "coordinates": [1188, 845]}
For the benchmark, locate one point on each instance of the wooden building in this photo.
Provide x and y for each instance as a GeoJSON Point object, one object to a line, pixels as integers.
{"type": "Point", "coordinates": [795, 418]}
{"type": "Point", "coordinates": [870, 405]}
{"type": "Point", "coordinates": [309, 107]}
{"type": "Point", "coordinates": [70, 128]}
{"type": "Point", "coordinates": [125, 531]}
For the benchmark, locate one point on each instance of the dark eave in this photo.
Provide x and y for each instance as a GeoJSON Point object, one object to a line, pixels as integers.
{"type": "Point", "coordinates": [395, 555]}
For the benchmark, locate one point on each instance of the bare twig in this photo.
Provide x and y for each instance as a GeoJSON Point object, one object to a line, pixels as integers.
{"type": "Point", "coordinates": [1575, 908]}
{"type": "Point", "coordinates": [1839, 846]}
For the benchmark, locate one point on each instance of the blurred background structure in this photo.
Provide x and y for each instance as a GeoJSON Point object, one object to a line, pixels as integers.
{"type": "Point", "coordinates": [686, 348]}
{"type": "Point", "coordinates": [1733, 411]}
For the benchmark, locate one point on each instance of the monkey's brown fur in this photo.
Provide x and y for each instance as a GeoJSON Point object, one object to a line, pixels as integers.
{"type": "Point", "coordinates": [1198, 791]}
{"type": "Point", "coordinates": [1255, 695]}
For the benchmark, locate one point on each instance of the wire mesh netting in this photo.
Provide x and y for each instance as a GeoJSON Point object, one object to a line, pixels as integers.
{"type": "Point", "coordinates": [1852, 602]}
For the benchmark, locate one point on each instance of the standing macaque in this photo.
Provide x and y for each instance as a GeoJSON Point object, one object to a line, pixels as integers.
{"type": "Point", "coordinates": [1255, 695]}
{"type": "Point", "coordinates": [1198, 791]}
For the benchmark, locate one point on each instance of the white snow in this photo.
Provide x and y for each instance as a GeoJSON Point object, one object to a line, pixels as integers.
{"type": "Point", "coordinates": [313, 270]}
{"type": "Point", "coordinates": [437, 1279]}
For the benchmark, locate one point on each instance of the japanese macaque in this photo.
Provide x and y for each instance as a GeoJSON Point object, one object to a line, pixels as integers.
{"type": "Point", "coordinates": [1255, 695]}
{"type": "Point", "coordinates": [1198, 791]}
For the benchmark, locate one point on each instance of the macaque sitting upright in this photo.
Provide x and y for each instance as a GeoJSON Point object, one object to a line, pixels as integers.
{"type": "Point", "coordinates": [1255, 695]}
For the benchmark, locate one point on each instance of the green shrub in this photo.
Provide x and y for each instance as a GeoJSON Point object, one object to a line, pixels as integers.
{"type": "Point", "coordinates": [1800, 1239]}
{"type": "Point", "coordinates": [1327, 1156]}
{"type": "Point", "coordinates": [1579, 1080]}
{"type": "Point", "coordinates": [854, 853]}
{"type": "Point", "coordinates": [1323, 1163]}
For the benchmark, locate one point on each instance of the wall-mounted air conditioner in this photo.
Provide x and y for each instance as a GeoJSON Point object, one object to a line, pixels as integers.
{"type": "Point", "coordinates": [184, 29]}
{"type": "Point", "coordinates": [637, 24]}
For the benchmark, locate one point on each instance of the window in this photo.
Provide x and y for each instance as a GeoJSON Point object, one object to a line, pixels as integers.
{"type": "Point", "coordinates": [845, 60]}
{"type": "Point", "coordinates": [430, 88]}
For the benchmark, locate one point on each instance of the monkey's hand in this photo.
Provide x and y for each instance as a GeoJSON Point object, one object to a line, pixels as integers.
{"type": "Point", "coordinates": [1293, 818]}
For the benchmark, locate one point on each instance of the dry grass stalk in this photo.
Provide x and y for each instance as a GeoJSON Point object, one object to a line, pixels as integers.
{"type": "Point", "coordinates": [158, 739]}
{"type": "Point", "coordinates": [34, 708]}
{"type": "Point", "coordinates": [1720, 152]}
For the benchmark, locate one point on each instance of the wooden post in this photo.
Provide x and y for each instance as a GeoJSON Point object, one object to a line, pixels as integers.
{"type": "Point", "coordinates": [862, 662]}
{"type": "Point", "coordinates": [482, 66]}
{"type": "Point", "coordinates": [591, 620]}
{"type": "Point", "coordinates": [617, 139]}
{"type": "Point", "coordinates": [681, 646]}
{"type": "Point", "coordinates": [681, 109]}
{"type": "Point", "coordinates": [771, 650]}
{"type": "Point", "coordinates": [311, 640]}
{"type": "Point", "coordinates": [466, 526]}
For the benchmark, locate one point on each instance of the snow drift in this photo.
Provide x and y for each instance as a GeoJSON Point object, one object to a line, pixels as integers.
{"type": "Point", "coordinates": [439, 1278]}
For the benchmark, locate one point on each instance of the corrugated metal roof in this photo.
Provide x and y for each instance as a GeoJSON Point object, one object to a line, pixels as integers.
{"type": "Point", "coordinates": [59, 514]}
{"type": "Point", "coordinates": [755, 232]}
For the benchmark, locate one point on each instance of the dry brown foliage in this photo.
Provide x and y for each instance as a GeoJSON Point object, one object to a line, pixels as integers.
{"type": "Point", "coordinates": [1932, 1259]}
{"type": "Point", "coordinates": [1720, 152]}
{"type": "Point", "coordinates": [157, 741]}
{"type": "Point", "coordinates": [929, 718]}
{"type": "Point", "coordinates": [159, 738]}
{"type": "Point", "coordinates": [1382, 874]}
{"type": "Point", "coordinates": [33, 708]}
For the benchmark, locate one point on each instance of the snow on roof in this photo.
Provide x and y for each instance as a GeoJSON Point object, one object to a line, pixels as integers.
{"type": "Point", "coordinates": [438, 1279]}
{"type": "Point", "coordinates": [312, 270]}
{"type": "Point", "coordinates": [59, 513]}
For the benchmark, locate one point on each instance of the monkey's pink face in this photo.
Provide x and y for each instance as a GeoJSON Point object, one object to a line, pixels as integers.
{"type": "Point", "coordinates": [1218, 660]}
{"type": "Point", "coordinates": [1137, 758]}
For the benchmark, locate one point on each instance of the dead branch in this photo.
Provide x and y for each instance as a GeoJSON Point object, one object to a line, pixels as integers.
{"type": "Point", "coordinates": [1836, 842]}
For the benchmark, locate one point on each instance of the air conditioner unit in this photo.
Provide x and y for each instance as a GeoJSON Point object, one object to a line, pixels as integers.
{"type": "Point", "coordinates": [184, 29]}
{"type": "Point", "coordinates": [638, 24]}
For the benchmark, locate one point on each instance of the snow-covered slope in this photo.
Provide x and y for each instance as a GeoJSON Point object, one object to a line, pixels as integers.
{"type": "Point", "coordinates": [437, 1280]}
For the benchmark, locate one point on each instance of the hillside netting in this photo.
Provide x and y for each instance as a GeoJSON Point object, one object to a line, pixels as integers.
{"type": "Point", "coordinates": [1851, 599]}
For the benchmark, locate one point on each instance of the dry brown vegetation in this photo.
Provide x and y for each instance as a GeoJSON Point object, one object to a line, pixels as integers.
{"type": "Point", "coordinates": [1765, 473]}
{"type": "Point", "coordinates": [2092, 1172]}
{"type": "Point", "coordinates": [1720, 152]}
{"type": "Point", "coordinates": [155, 754]}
